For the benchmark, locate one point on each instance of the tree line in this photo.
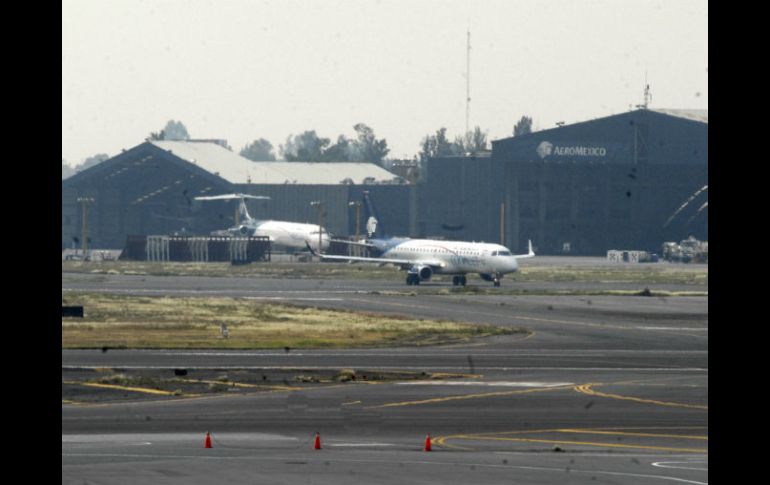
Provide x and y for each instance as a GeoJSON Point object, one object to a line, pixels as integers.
{"type": "Point", "coordinates": [308, 146]}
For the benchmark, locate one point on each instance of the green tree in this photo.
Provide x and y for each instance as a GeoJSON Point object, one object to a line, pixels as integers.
{"type": "Point", "coordinates": [66, 170]}
{"type": "Point", "coordinates": [366, 147]}
{"type": "Point", "coordinates": [91, 161]}
{"type": "Point", "coordinates": [259, 151]}
{"type": "Point", "coordinates": [339, 152]}
{"type": "Point", "coordinates": [523, 127]}
{"type": "Point", "coordinates": [471, 143]}
{"type": "Point", "coordinates": [175, 130]}
{"type": "Point", "coordinates": [306, 147]}
{"type": "Point", "coordinates": [476, 141]}
{"type": "Point", "coordinates": [437, 145]}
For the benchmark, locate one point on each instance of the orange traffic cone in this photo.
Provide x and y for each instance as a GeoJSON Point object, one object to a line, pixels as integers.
{"type": "Point", "coordinates": [317, 444]}
{"type": "Point", "coordinates": [427, 442]}
{"type": "Point", "coordinates": [208, 440]}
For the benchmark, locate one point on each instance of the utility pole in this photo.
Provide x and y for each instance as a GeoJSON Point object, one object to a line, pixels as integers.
{"type": "Point", "coordinates": [84, 201]}
{"type": "Point", "coordinates": [502, 223]}
{"type": "Point", "coordinates": [357, 205]}
{"type": "Point", "coordinates": [468, 85]}
{"type": "Point", "coordinates": [319, 204]}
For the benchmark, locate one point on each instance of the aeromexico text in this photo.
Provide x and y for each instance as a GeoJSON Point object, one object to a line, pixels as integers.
{"type": "Point", "coordinates": [546, 148]}
{"type": "Point", "coordinates": [580, 151]}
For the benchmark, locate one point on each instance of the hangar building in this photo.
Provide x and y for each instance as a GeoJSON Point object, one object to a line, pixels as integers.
{"type": "Point", "coordinates": [150, 189]}
{"type": "Point", "coordinates": [610, 183]}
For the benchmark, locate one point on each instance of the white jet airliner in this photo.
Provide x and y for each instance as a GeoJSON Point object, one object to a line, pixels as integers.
{"type": "Point", "coordinates": [422, 258]}
{"type": "Point", "coordinates": [281, 233]}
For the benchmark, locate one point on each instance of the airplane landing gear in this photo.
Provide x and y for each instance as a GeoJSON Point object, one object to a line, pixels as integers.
{"type": "Point", "coordinates": [459, 280]}
{"type": "Point", "coordinates": [412, 279]}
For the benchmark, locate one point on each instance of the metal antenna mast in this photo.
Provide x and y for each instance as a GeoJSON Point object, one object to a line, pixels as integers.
{"type": "Point", "coordinates": [647, 93]}
{"type": "Point", "coordinates": [468, 85]}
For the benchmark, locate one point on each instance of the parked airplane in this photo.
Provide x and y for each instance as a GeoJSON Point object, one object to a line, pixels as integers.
{"type": "Point", "coordinates": [422, 258]}
{"type": "Point", "coordinates": [281, 233]}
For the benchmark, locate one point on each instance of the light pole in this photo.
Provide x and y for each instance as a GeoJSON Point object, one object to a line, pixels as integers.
{"type": "Point", "coordinates": [84, 201]}
{"type": "Point", "coordinates": [319, 204]}
{"type": "Point", "coordinates": [357, 205]}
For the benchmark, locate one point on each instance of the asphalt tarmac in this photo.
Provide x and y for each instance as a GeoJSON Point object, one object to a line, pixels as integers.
{"type": "Point", "coordinates": [606, 389]}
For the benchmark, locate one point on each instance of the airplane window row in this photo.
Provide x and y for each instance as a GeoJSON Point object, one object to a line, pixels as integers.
{"type": "Point", "coordinates": [439, 250]}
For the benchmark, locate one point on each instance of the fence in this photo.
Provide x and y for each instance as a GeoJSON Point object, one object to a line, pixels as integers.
{"type": "Point", "coordinates": [197, 248]}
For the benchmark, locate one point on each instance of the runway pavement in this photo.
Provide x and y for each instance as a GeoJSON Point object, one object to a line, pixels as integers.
{"type": "Point", "coordinates": [605, 389]}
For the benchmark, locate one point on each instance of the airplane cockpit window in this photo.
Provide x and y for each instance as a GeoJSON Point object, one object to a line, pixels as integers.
{"type": "Point", "coordinates": [505, 253]}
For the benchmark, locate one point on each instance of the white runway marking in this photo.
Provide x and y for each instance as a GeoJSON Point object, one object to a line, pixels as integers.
{"type": "Point", "coordinates": [678, 465]}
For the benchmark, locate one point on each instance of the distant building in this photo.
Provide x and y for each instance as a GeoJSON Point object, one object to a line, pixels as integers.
{"type": "Point", "coordinates": [582, 189]}
{"type": "Point", "coordinates": [585, 188]}
{"type": "Point", "coordinates": [150, 189]}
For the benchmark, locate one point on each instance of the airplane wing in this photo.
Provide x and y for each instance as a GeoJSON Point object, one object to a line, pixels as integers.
{"type": "Point", "coordinates": [231, 197]}
{"type": "Point", "coordinates": [353, 243]}
{"type": "Point", "coordinates": [529, 254]}
{"type": "Point", "coordinates": [404, 263]}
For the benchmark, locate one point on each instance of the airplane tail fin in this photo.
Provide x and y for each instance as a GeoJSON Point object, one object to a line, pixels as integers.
{"type": "Point", "coordinates": [373, 226]}
{"type": "Point", "coordinates": [530, 252]}
{"type": "Point", "coordinates": [243, 212]}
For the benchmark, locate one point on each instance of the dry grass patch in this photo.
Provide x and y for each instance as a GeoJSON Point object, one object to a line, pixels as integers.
{"type": "Point", "coordinates": [163, 322]}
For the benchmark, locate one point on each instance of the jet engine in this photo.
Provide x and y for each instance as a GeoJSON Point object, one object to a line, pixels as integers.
{"type": "Point", "coordinates": [425, 272]}
{"type": "Point", "coordinates": [244, 231]}
{"type": "Point", "coordinates": [417, 274]}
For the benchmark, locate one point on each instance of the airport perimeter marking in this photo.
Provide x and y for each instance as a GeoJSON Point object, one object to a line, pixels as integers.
{"type": "Point", "coordinates": [241, 384]}
{"type": "Point", "coordinates": [582, 388]}
{"type": "Point", "coordinates": [625, 433]}
{"type": "Point", "coordinates": [198, 397]}
{"type": "Point", "coordinates": [144, 390]}
{"type": "Point", "coordinates": [500, 436]}
{"type": "Point", "coordinates": [586, 389]}
{"type": "Point", "coordinates": [467, 396]}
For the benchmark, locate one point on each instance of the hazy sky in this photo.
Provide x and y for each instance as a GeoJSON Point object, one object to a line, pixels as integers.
{"type": "Point", "coordinates": [247, 69]}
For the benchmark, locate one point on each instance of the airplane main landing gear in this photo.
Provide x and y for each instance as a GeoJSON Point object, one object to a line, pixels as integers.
{"type": "Point", "coordinates": [459, 280]}
{"type": "Point", "coordinates": [412, 279]}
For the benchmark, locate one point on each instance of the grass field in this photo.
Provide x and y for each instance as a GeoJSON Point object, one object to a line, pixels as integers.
{"type": "Point", "coordinates": [119, 321]}
{"type": "Point", "coordinates": [531, 272]}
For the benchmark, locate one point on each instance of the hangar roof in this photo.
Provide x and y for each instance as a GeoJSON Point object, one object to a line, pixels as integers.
{"type": "Point", "coordinates": [236, 169]}
{"type": "Point", "coordinates": [701, 115]}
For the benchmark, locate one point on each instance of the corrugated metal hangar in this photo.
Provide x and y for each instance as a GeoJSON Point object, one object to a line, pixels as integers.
{"type": "Point", "coordinates": [150, 190]}
{"type": "Point", "coordinates": [608, 183]}
{"type": "Point", "coordinates": [611, 183]}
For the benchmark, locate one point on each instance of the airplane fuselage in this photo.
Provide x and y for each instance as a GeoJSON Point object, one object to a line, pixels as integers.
{"type": "Point", "coordinates": [284, 233]}
{"type": "Point", "coordinates": [450, 257]}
